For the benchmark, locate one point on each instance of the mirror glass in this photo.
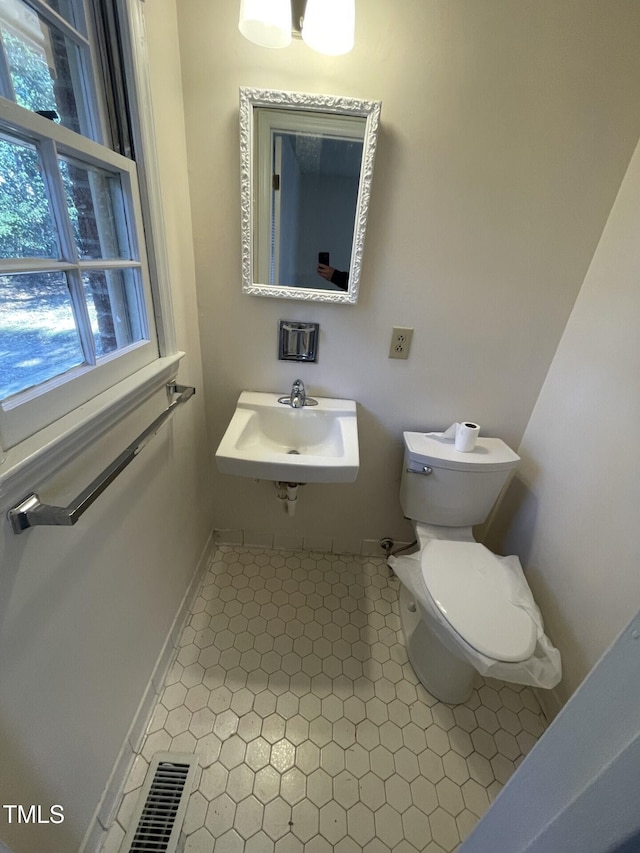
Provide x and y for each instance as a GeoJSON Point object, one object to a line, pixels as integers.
{"type": "Point", "coordinates": [306, 163]}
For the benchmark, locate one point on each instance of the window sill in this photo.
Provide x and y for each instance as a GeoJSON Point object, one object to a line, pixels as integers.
{"type": "Point", "coordinates": [40, 456]}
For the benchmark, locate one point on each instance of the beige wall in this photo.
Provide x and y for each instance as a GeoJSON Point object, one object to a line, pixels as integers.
{"type": "Point", "coordinates": [506, 129]}
{"type": "Point", "coordinates": [572, 512]}
{"type": "Point", "coordinates": [84, 611]}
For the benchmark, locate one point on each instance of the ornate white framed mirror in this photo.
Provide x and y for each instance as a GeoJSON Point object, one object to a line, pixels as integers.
{"type": "Point", "coordinates": [306, 170]}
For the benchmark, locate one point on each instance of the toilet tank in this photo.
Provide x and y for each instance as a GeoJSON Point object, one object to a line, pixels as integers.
{"type": "Point", "coordinates": [442, 486]}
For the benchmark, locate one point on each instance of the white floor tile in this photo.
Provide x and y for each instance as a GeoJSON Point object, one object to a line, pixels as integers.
{"type": "Point", "coordinates": [293, 686]}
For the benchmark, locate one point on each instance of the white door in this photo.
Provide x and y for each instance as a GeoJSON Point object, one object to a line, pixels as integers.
{"type": "Point", "coordinates": [579, 789]}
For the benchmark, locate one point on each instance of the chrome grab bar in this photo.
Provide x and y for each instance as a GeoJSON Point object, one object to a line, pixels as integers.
{"type": "Point", "coordinates": [30, 512]}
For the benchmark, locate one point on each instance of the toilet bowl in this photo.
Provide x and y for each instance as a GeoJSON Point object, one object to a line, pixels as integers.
{"type": "Point", "coordinates": [483, 617]}
{"type": "Point", "coordinates": [463, 609]}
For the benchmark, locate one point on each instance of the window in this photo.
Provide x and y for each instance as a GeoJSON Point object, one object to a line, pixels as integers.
{"type": "Point", "coordinates": [75, 301]}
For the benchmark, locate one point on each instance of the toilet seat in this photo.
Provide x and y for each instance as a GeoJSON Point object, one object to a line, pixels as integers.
{"type": "Point", "coordinates": [469, 586]}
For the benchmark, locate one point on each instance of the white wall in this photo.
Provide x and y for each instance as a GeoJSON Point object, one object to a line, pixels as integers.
{"type": "Point", "coordinates": [506, 129]}
{"type": "Point", "coordinates": [572, 512]}
{"type": "Point", "coordinates": [84, 611]}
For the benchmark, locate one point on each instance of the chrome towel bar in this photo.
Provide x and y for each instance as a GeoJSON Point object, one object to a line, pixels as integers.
{"type": "Point", "coordinates": [30, 512]}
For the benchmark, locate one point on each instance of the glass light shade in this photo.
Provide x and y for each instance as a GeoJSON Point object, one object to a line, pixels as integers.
{"type": "Point", "coordinates": [266, 22]}
{"type": "Point", "coordinates": [329, 26]}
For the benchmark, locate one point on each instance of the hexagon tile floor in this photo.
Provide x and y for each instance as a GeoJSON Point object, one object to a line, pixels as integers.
{"type": "Point", "coordinates": [292, 685]}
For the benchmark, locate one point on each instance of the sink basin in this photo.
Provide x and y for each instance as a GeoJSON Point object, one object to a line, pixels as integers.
{"type": "Point", "coordinates": [269, 440]}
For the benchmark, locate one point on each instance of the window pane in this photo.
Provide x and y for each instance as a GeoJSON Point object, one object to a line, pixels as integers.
{"type": "Point", "coordinates": [69, 10]}
{"type": "Point", "coordinates": [115, 308]}
{"type": "Point", "coordinates": [26, 223]}
{"type": "Point", "coordinates": [38, 337]}
{"type": "Point", "coordinates": [96, 209]}
{"type": "Point", "coordinates": [43, 65]}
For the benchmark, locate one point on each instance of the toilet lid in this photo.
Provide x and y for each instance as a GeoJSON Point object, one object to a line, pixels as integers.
{"type": "Point", "coordinates": [469, 586]}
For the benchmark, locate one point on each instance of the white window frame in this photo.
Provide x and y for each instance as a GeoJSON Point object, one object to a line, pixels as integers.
{"type": "Point", "coordinates": [155, 362]}
{"type": "Point", "coordinates": [136, 62]}
{"type": "Point", "coordinates": [25, 413]}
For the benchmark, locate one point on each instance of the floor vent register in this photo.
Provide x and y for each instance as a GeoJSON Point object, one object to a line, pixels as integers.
{"type": "Point", "coordinates": [160, 810]}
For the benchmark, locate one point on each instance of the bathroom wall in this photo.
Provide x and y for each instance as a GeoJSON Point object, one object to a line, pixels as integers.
{"type": "Point", "coordinates": [506, 130]}
{"type": "Point", "coordinates": [571, 512]}
{"type": "Point", "coordinates": [84, 611]}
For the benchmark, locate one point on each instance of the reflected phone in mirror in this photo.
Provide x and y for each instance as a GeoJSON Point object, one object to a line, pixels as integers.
{"type": "Point", "coordinates": [323, 258]}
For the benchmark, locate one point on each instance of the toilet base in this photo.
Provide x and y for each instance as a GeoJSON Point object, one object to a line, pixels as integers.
{"type": "Point", "coordinates": [443, 674]}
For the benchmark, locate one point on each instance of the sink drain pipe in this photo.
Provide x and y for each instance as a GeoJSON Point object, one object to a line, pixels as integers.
{"type": "Point", "coordinates": [288, 493]}
{"type": "Point", "coordinates": [292, 498]}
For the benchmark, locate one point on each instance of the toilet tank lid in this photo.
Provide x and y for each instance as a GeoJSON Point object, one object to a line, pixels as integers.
{"type": "Point", "coordinates": [489, 454]}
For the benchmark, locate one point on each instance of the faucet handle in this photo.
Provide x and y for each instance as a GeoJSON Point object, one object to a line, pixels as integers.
{"type": "Point", "coordinates": [298, 394]}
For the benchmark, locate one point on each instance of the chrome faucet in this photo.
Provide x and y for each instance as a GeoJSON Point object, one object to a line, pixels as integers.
{"type": "Point", "coordinates": [298, 396]}
{"type": "Point", "coordinates": [297, 399]}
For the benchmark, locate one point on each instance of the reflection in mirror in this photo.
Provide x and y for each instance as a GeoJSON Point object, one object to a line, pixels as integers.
{"type": "Point", "coordinates": [307, 162]}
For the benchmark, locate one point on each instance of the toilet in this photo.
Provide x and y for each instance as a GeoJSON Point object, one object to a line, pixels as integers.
{"type": "Point", "coordinates": [458, 607]}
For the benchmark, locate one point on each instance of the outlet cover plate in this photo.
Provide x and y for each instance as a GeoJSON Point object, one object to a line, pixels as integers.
{"type": "Point", "coordinates": [400, 342]}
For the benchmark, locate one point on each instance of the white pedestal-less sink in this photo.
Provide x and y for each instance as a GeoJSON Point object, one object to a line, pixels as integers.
{"type": "Point", "coordinates": [269, 440]}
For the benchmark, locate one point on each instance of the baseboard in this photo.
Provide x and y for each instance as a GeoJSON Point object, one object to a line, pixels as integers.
{"type": "Point", "coordinates": [305, 542]}
{"type": "Point", "coordinates": [550, 703]}
{"type": "Point", "coordinates": [109, 804]}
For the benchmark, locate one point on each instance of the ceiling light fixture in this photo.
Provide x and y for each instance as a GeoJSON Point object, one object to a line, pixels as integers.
{"type": "Point", "coordinates": [327, 26]}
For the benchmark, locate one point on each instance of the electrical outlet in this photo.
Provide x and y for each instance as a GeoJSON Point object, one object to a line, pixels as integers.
{"type": "Point", "coordinates": [400, 342]}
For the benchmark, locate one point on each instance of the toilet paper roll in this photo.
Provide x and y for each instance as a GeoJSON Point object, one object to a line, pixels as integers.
{"type": "Point", "coordinates": [449, 433]}
{"type": "Point", "coordinates": [466, 435]}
